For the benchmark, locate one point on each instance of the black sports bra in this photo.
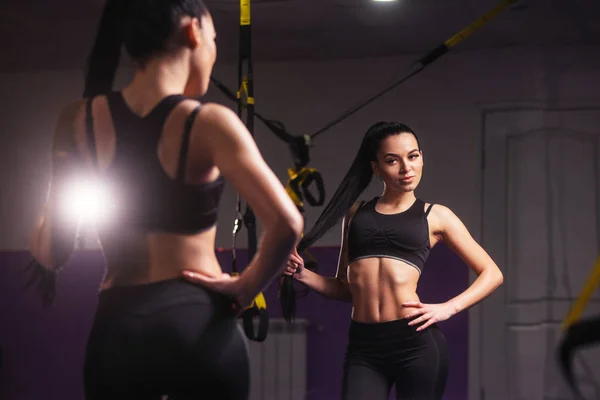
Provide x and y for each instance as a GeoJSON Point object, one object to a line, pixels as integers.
{"type": "Point", "coordinates": [403, 236]}
{"type": "Point", "coordinates": [144, 196]}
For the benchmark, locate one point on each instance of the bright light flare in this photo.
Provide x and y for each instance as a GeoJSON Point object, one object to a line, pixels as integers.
{"type": "Point", "coordinates": [88, 201]}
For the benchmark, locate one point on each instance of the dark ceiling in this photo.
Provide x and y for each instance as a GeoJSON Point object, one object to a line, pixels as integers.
{"type": "Point", "coordinates": [57, 34]}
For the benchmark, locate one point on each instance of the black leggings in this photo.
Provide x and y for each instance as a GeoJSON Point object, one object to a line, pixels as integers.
{"type": "Point", "coordinates": [169, 338]}
{"type": "Point", "coordinates": [382, 354]}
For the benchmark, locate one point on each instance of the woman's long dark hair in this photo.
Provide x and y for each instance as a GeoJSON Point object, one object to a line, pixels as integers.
{"type": "Point", "coordinates": [106, 51]}
{"type": "Point", "coordinates": [357, 179]}
{"type": "Point", "coordinates": [145, 28]}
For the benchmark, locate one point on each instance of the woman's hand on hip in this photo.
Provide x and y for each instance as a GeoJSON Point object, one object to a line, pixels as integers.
{"type": "Point", "coordinates": [428, 313]}
{"type": "Point", "coordinates": [226, 284]}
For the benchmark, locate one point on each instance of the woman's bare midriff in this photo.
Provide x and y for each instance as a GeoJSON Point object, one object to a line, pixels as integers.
{"type": "Point", "coordinates": [379, 287]}
{"type": "Point", "coordinates": [139, 258]}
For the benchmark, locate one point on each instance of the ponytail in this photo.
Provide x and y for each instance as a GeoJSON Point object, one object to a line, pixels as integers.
{"type": "Point", "coordinates": [106, 52]}
{"type": "Point", "coordinates": [354, 183]}
{"type": "Point", "coordinates": [357, 179]}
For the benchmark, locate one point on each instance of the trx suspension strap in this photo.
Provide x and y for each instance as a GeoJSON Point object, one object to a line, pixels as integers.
{"type": "Point", "coordinates": [245, 100]}
{"type": "Point", "coordinates": [301, 177]}
{"type": "Point", "coordinates": [433, 55]}
{"type": "Point", "coordinates": [427, 59]}
{"type": "Point", "coordinates": [584, 297]}
{"type": "Point", "coordinates": [298, 188]}
{"type": "Point", "coordinates": [300, 145]}
{"type": "Point", "coordinates": [579, 333]}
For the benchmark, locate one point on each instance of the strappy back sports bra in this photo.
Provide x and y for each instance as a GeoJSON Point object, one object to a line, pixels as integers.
{"type": "Point", "coordinates": [144, 196]}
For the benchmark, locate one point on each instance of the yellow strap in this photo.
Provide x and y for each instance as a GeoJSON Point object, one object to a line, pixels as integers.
{"type": "Point", "coordinates": [288, 188]}
{"type": "Point", "coordinates": [259, 302]}
{"type": "Point", "coordinates": [294, 196]}
{"type": "Point", "coordinates": [244, 12]}
{"type": "Point", "coordinates": [301, 175]}
{"type": "Point", "coordinates": [468, 31]}
{"type": "Point", "coordinates": [292, 173]}
{"type": "Point", "coordinates": [244, 90]}
{"type": "Point", "coordinates": [584, 296]}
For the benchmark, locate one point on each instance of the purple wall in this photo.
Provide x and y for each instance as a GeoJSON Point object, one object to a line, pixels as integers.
{"type": "Point", "coordinates": [43, 349]}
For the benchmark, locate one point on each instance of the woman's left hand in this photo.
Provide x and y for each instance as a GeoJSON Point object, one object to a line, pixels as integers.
{"type": "Point", "coordinates": [431, 313]}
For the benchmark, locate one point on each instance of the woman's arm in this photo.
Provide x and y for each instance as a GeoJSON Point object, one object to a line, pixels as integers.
{"type": "Point", "coordinates": [234, 152]}
{"type": "Point", "coordinates": [331, 287]}
{"type": "Point", "coordinates": [335, 288]}
{"type": "Point", "coordinates": [450, 229]}
{"type": "Point", "coordinates": [457, 237]}
{"type": "Point", "coordinates": [53, 237]}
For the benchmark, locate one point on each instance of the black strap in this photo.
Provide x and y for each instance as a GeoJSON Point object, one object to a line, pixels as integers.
{"type": "Point", "coordinates": [428, 209]}
{"type": "Point", "coordinates": [246, 114]}
{"type": "Point", "coordinates": [185, 144]}
{"type": "Point", "coordinates": [313, 176]}
{"type": "Point", "coordinates": [263, 323]}
{"type": "Point", "coordinates": [250, 222]}
{"type": "Point", "coordinates": [581, 334]}
{"type": "Point", "coordinates": [89, 130]}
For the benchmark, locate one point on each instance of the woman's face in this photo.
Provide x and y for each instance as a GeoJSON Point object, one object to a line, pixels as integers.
{"type": "Point", "coordinates": [203, 56]}
{"type": "Point", "coordinates": [399, 162]}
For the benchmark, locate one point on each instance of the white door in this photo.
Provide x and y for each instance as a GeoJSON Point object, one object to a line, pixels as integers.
{"type": "Point", "coordinates": [541, 218]}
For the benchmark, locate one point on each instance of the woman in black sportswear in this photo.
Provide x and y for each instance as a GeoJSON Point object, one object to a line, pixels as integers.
{"type": "Point", "coordinates": [393, 337]}
{"type": "Point", "coordinates": [162, 157]}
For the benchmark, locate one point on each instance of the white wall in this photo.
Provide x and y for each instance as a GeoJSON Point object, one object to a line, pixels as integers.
{"type": "Point", "coordinates": [444, 104]}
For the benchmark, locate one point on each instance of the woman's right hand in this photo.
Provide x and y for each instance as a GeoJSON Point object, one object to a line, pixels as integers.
{"type": "Point", "coordinates": [295, 265]}
{"type": "Point", "coordinates": [227, 284]}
